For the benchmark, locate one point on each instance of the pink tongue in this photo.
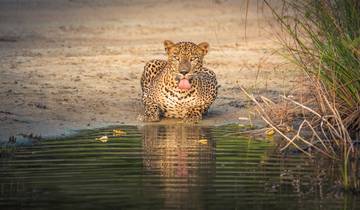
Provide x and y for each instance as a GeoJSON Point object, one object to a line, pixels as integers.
{"type": "Point", "coordinates": [184, 84]}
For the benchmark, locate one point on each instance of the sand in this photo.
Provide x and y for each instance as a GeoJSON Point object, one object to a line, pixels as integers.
{"type": "Point", "coordinates": [71, 65]}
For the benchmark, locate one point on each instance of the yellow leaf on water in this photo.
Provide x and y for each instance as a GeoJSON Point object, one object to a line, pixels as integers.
{"type": "Point", "coordinates": [203, 141]}
{"type": "Point", "coordinates": [103, 139]}
{"type": "Point", "coordinates": [118, 132]}
{"type": "Point", "coordinates": [241, 125]}
{"type": "Point", "coordinates": [270, 132]}
{"type": "Point", "coordinates": [288, 129]}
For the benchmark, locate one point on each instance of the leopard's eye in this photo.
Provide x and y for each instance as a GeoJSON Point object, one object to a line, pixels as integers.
{"type": "Point", "coordinates": [193, 58]}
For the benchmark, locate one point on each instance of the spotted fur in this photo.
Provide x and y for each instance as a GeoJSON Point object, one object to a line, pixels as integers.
{"type": "Point", "coordinates": [161, 95]}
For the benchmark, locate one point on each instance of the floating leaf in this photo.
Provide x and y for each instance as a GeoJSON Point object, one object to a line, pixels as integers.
{"type": "Point", "coordinates": [288, 129]}
{"type": "Point", "coordinates": [270, 132]}
{"type": "Point", "coordinates": [118, 132]}
{"type": "Point", "coordinates": [103, 139]}
{"type": "Point", "coordinates": [241, 125]}
{"type": "Point", "coordinates": [203, 141]}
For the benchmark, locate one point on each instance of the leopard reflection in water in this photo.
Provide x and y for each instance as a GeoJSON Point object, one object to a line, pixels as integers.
{"type": "Point", "coordinates": [183, 156]}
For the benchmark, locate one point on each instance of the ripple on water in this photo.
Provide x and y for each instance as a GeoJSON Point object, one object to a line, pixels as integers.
{"type": "Point", "coordinates": [164, 167]}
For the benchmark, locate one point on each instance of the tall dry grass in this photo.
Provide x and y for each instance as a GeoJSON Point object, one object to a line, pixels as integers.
{"type": "Point", "coordinates": [322, 38]}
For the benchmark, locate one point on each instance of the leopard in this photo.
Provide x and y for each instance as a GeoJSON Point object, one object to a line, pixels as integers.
{"type": "Point", "coordinates": [179, 86]}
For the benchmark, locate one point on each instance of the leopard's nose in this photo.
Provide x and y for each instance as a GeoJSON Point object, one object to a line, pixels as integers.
{"type": "Point", "coordinates": [184, 71]}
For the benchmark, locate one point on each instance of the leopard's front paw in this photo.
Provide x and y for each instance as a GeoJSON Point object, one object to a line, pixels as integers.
{"type": "Point", "coordinates": [192, 119]}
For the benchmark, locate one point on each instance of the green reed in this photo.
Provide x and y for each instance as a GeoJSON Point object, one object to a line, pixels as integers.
{"type": "Point", "coordinates": [322, 38]}
{"type": "Point", "coordinates": [325, 43]}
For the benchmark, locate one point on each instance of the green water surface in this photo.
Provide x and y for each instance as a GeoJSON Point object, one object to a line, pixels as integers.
{"type": "Point", "coordinates": [165, 167]}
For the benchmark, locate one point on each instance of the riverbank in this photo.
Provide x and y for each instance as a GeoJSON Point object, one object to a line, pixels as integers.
{"type": "Point", "coordinates": [71, 65]}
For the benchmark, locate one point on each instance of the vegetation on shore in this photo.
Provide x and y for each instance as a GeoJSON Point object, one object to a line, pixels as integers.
{"type": "Point", "coordinates": [322, 39]}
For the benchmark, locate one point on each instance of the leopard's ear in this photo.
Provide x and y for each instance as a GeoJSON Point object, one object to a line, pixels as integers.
{"type": "Point", "coordinates": [168, 45]}
{"type": "Point", "coordinates": [204, 46]}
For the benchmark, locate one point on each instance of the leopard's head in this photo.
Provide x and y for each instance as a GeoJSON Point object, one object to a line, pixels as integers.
{"type": "Point", "coordinates": [185, 58]}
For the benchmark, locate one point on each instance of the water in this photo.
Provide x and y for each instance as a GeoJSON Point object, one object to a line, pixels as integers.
{"type": "Point", "coordinates": [165, 167]}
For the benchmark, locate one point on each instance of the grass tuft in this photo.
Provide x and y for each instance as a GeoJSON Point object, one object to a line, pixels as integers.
{"type": "Point", "coordinates": [324, 42]}
{"type": "Point", "coordinates": [322, 38]}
